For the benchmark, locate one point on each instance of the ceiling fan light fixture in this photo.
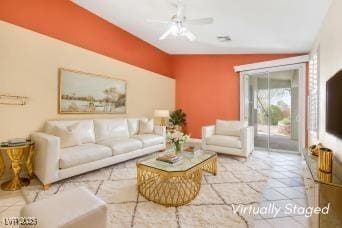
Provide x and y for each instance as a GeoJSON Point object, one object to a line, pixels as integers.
{"type": "Point", "coordinates": [179, 24]}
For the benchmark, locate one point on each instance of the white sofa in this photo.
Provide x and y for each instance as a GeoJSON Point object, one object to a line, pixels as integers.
{"type": "Point", "coordinates": [104, 142]}
{"type": "Point", "coordinates": [228, 137]}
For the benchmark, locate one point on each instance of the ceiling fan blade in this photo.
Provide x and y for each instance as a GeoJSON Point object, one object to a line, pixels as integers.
{"type": "Point", "coordinates": [179, 6]}
{"type": "Point", "coordinates": [200, 21]}
{"type": "Point", "coordinates": [189, 35]}
{"type": "Point", "coordinates": [180, 10]}
{"type": "Point", "coordinates": [168, 32]}
{"type": "Point", "coordinates": [172, 3]}
{"type": "Point", "coordinates": [157, 21]}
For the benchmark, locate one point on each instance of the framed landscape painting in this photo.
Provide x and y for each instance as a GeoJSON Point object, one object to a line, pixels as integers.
{"type": "Point", "coordinates": [81, 92]}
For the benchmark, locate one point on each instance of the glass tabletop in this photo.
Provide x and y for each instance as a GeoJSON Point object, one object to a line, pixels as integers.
{"type": "Point", "coordinates": [188, 161]}
{"type": "Point", "coordinates": [5, 145]}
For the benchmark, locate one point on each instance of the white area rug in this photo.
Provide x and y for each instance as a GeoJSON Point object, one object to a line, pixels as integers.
{"type": "Point", "coordinates": [239, 181]}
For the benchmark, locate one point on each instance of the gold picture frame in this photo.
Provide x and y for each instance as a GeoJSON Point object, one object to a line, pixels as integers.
{"type": "Point", "coordinates": [87, 93]}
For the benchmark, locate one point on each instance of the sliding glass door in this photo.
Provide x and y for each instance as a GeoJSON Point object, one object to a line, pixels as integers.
{"type": "Point", "coordinates": [271, 106]}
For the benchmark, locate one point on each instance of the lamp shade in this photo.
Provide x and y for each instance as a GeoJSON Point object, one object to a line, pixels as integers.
{"type": "Point", "coordinates": [161, 113]}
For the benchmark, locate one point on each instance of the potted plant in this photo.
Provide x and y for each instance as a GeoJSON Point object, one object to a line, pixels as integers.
{"type": "Point", "coordinates": [177, 138]}
{"type": "Point", "coordinates": [178, 119]}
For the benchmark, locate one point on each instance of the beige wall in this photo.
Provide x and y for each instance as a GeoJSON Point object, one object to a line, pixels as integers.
{"type": "Point", "coordinates": [329, 43]}
{"type": "Point", "coordinates": [29, 65]}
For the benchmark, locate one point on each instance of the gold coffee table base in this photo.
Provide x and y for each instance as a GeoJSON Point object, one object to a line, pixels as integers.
{"type": "Point", "coordinates": [173, 189]}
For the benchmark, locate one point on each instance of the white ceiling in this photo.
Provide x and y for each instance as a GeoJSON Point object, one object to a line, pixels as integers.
{"type": "Point", "coordinates": [255, 26]}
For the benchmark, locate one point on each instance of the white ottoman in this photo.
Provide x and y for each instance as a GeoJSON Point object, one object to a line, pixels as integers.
{"type": "Point", "coordinates": [75, 208]}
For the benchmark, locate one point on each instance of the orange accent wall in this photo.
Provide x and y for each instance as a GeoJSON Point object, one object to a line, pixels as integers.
{"type": "Point", "coordinates": [66, 21]}
{"type": "Point", "coordinates": [207, 88]}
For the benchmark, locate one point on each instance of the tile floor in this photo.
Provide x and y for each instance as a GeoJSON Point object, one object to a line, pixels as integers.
{"type": "Point", "coordinates": [285, 186]}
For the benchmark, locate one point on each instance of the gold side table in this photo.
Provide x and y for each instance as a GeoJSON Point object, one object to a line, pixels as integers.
{"type": "Point", "coordinates": [17, 155]}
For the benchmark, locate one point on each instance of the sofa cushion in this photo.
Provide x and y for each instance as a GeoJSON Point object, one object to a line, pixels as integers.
{"type": "Point", "coordinates": [224, 141]}
{"type": "Point", "coordinates": [122, 145]}
{"type": "Point", "coordinates": [146, 127]}
{"type": "Point", "coordinates": [86, 128]}
{"type": "Point", "coordinates": [69, 135]}
{"type": "Point", "coordinates": [150, 139]}
{"type": "Point", "coordinates": [110, 128]}
{"type": "Point", "coordinates": [85, 153]}
{"type": "Point", "coordinates": [230, 128]}
{"type": "Point", "coordinates": [133, 125]}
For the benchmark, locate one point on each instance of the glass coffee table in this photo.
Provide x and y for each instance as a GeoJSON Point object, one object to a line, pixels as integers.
{"type": "Point", "coordinates": [174, 184]}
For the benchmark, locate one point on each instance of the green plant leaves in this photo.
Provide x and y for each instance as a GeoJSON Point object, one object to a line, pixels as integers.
{"type": "Point", "coordinates": [178, 117]}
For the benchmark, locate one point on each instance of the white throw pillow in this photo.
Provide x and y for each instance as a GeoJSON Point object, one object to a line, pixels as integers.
{"type": "Point", "coordinates": [146, 127]}
{"type": "Point", "coordinates": [69, 135]}
{"type": "Point", "coordinates": [229, 128]}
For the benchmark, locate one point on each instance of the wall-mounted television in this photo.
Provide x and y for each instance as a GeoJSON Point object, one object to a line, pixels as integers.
{"type": "Point", "coordinates": [334, 105]}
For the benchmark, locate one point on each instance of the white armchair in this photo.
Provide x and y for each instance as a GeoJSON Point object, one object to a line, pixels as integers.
{"type": "Point", "coordinates": [228, 137]}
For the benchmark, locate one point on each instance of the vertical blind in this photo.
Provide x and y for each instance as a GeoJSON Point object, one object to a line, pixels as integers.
{"type": "Point", "coordinates": [313, 94]}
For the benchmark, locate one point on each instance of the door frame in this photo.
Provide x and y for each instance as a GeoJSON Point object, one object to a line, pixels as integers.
{"type": "Point", "coordinates": [301, 67]}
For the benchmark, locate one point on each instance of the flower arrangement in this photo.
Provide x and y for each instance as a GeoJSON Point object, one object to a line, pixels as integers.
{"type": "Point", "coordinates": [177, 138]}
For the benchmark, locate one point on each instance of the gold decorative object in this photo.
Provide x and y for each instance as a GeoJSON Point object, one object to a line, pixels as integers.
{"type": "Point", "coordinates": [315, 148]}
{"type": "Point", "coordinates": [12, 100]}
{"type": "Point", "coordinates": [162, 114]}
{"type": "Point", "coordinates": [29, 161]}
{"type": "Point", "coordinates": [325, 177]}
{"type": "Point", "coordinates": [325, 159]}
{"type": "Point", "coordinates": [2, 165]}
{"type": "Point", "coordinates": [173, 188]}
{"type": "Point", "coordinates": [17, 155]}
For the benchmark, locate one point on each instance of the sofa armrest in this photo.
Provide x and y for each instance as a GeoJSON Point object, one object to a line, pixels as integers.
{"type": "Point", "coordinates": [208, 131]}
{"type": "Point", "coordinates": [247, 138]}
{"type": "Point", "coordinates": [46, 156]}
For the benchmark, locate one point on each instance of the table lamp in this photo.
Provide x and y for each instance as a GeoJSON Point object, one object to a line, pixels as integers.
{"type": "Point", "coordinates": [163, 114]}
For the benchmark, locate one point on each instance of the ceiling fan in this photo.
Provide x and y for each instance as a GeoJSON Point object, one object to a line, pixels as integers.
{"type": "Point", "coordinates": [179, 22]}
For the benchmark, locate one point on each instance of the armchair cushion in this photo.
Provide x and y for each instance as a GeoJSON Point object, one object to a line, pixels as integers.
{"type": "Point", "coordinates": [229, 128]}
{"type": "Point", "coordinates": [85, 153]}
{"type": "Point", "coordinates": [224, 141]}
{"type": "Point", "coordinates": [122, 145]}
{"type": "Point", "coordinates": [150, 139]}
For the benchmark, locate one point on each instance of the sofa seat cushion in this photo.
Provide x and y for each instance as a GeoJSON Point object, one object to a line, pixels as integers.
{"type": "Point", "coordinates": [224, 141]}
{"type": "Point", "coordinates": [85, 153]}
{"type": "Point", "coordinates": [149, 139]}
{"type": "Point", "coordinates": [122, 145]}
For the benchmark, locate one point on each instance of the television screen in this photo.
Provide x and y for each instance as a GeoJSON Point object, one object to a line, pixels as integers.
{"type": "Point", "coordinates": [334, 105]}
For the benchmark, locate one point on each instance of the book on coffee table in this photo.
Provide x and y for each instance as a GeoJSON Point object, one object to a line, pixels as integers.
{"type": "Point", "coordinates": [169, 158]}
